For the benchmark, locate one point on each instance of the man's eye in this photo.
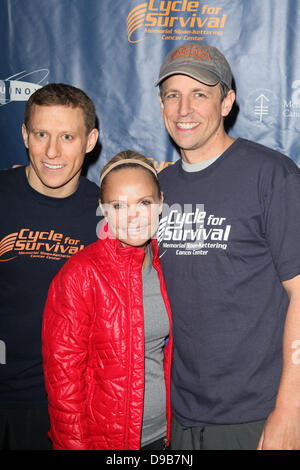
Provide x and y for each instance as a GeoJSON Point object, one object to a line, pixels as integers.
{"type": "Point", "coordinates": [41, 134]}
{"type": "Point", "coordinates": [171, 96]}
{"type": "Point", "coordinates": [67, 137]}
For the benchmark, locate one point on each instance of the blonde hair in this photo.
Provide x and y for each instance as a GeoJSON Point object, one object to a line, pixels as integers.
{"type": "Point", "coordinates": [122, 160]}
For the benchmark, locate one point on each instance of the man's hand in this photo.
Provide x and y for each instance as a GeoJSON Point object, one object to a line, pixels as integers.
{"type": "Point", "coordinates": [281, 431]}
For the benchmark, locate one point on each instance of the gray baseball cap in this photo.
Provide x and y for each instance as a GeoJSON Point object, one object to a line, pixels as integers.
{"type": "Point", "coordinates": [201, 62]}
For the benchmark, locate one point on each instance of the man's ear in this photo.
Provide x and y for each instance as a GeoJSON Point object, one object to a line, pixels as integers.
{"type": "Point", "coordinates": [92, 140]}
{"type": "Point", "coordinates": [25, 135]}
{"type": "Point", "coordinates": [161, 103]}
{"type": "Point", "coordinates": [227, 103]}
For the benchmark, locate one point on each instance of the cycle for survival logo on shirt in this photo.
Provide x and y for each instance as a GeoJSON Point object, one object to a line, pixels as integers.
{"type": "Point", "coordinates": [192, 232]}
{"type": "Point", "coordinates": [49, 245]}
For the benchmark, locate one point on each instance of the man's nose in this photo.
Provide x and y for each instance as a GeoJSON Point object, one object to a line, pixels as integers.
{"type": "Point", "coordinates": [185, 106]}
{"type": "Point", "coordinates": [52, 150]}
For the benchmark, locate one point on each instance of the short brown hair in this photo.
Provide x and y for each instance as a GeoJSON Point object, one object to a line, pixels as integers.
{"type": "Point", "coordinates": [127, 155]}
{"type": "Point", "coordinates": [64, 95]}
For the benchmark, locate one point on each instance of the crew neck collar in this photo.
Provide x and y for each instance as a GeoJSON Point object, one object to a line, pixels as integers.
{"type": "Point", "coordinates": [191, 167]}
{"type": "Point", "coordinates": [49, 199]}
{"type": "Point", "coordinates": [217, 160]}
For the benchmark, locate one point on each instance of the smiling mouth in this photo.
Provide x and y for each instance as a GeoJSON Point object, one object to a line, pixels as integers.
{"type": "Point", "coordinates": [52, 167]}
{"type": "Point", "coordinates": [187, 125]}
{"type": "Point", "coordinates": [135, 230]}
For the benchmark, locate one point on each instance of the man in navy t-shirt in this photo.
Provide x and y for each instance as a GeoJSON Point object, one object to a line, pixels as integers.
{"type": "Point", "coordinates": [48, 213]}
{"type": "Point", "coordinates": [230, 252]}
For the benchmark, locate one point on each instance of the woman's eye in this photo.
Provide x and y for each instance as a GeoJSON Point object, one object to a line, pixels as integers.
{"type": "Point", "coordinates": [119, 206]}
{"type": "Point", "coordinates": [146, 202]}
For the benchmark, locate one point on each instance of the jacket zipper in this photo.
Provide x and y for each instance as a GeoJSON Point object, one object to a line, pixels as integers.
{"type": "Point", "coordinates": [129, 362]}
{"type": "Point", "coordinates": [127, 410]}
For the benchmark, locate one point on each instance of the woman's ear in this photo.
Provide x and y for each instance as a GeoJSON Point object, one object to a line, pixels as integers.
{"type": "Point", "coordinates": [104, 213]}
{"type": "Point", "coordinates": [161, 202]}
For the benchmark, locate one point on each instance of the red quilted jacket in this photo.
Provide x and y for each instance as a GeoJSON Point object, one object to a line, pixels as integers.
{"type": "Point", "coordinates": [93, 348]}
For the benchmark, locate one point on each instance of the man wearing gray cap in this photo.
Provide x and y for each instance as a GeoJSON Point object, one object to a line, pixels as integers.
{"type": "Point", "coordinates": [229, 243]}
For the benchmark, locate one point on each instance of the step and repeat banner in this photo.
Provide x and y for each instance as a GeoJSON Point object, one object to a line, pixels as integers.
{"type": "Point", "coordinates": [113, 50]}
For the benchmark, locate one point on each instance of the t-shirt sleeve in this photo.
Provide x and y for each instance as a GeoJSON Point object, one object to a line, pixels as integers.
{"type": "Point", "coordinates": [282, 226]}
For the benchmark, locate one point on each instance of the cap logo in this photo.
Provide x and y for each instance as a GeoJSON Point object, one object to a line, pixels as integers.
{"type": "Point", "coordinates": [191, 52]}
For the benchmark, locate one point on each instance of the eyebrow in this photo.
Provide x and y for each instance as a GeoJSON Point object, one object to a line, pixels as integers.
{"type": "Point", "coordinates": [40, 129]}
{"type": "Point", "coordinates": [172, 90]}
{"type": "Point", "coordinates": [124, 199]}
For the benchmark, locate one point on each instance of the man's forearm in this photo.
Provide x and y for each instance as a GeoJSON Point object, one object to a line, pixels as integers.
{"type": "Point", "coordinates": [282, 428]}
{"type": "Point", "coordinates": [289, 389]}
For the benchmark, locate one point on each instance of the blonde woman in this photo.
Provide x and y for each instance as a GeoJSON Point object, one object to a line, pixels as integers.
{"type": "Point", "coordinates": [106, 360]}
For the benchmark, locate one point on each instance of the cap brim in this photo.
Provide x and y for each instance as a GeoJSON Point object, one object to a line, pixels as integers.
{"type": "Point", "coordinates": [197, 73]}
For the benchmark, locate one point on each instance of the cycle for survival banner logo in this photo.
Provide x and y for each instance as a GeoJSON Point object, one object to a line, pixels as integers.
{"type": "Point", "coordinates": [175, 20]}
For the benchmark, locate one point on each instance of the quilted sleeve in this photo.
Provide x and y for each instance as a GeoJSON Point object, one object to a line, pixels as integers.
{"type": "Point", "coordinates": [65, 335]}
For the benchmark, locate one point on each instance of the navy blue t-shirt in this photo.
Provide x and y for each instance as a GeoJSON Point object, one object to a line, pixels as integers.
{"type": "Point", "coordinates": [37, 235]}
{"type": "Point", "coordinates": [229, 235]}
